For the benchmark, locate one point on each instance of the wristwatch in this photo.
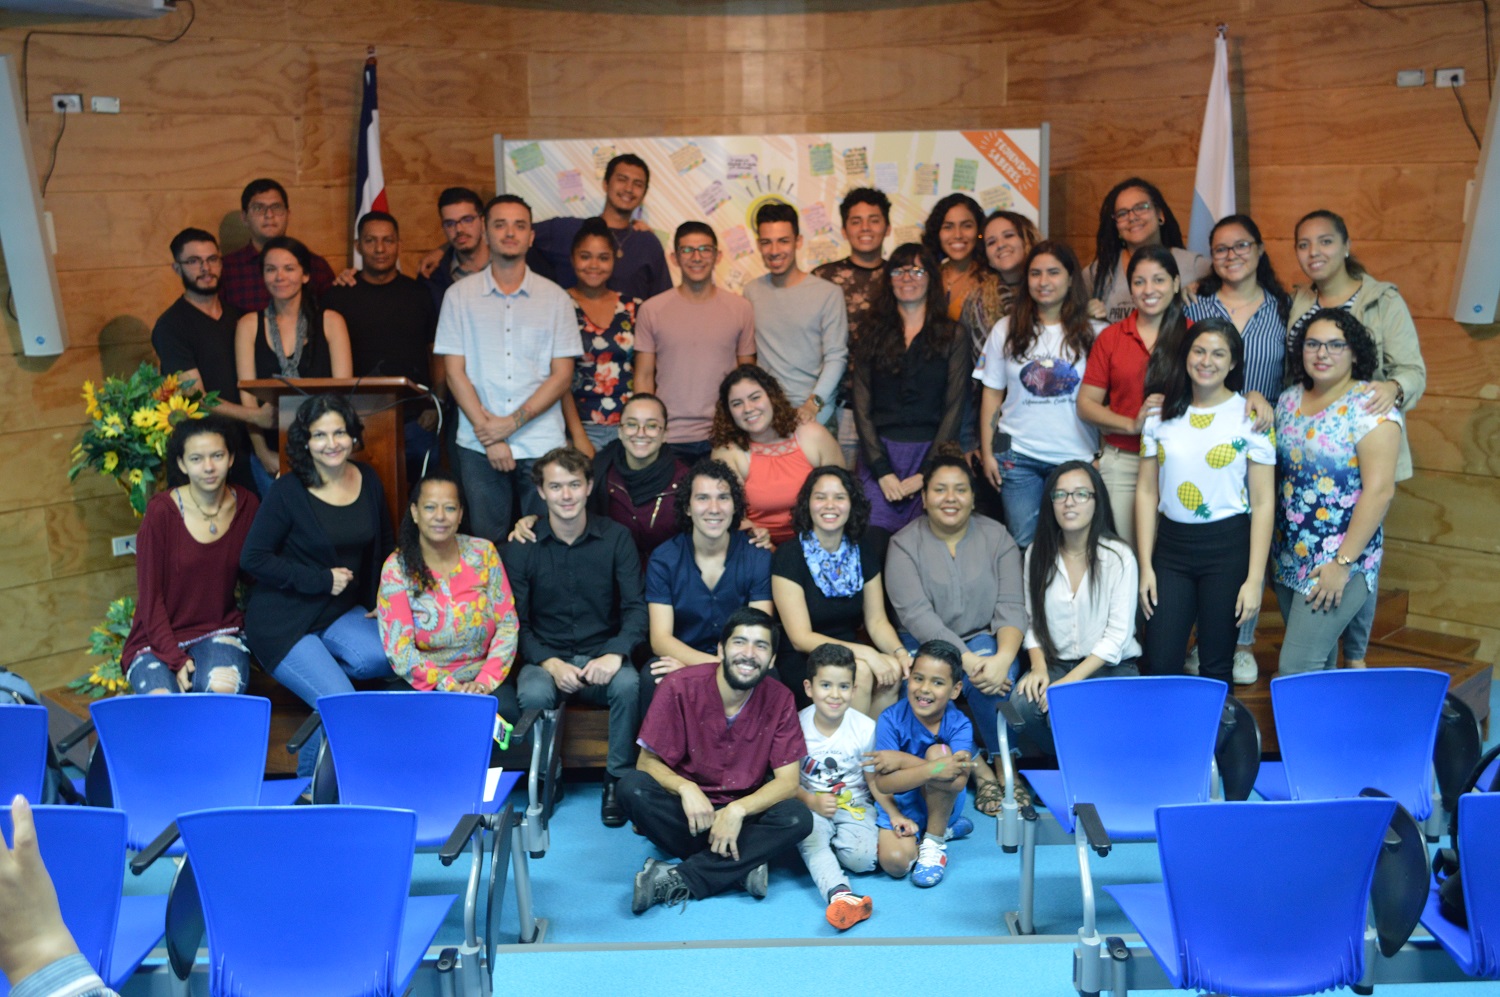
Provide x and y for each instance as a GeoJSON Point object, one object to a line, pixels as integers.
{"type": "Point", "coordinates": [1343, 561]}
{"type": "Point", "coordinates": [817, 402]}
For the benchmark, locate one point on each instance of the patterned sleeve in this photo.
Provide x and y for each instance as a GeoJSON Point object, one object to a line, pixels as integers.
{"type": "Point", "coordinates": [502, 650]}
{"type": "Point", "coordinates": [1262, 446]}
{"type": "Point", "coordinates": [1148, 437]}
{"type": "Point", "coordinates": [398, 631]}
{"type": "Point", "coordinates": [1362, 421]}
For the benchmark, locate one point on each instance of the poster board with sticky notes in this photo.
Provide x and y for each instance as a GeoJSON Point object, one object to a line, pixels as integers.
{"type": "Point", "coordinates": [724, 180]}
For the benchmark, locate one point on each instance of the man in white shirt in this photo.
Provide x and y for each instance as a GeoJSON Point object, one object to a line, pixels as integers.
{"type": "Point", "coordinates": [508, 338]}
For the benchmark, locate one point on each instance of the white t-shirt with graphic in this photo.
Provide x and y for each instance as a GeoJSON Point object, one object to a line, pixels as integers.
{"type": "Point", "coordinates": [1203, 457]}
{"type": "Point", "coordinates": [835, 764]}
{"type": "Point", "coordinates": [1040, 411]}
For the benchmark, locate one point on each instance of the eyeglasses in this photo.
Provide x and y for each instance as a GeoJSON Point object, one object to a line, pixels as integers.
{"type": "Point", "coordinates": [269, 210]}
{"type": "Point", "coordinates": [201, 261]}
{"type": "Point", "coordinates": [1241, 248]}
{"type": "Point", "coordinates": [649, 428]}
{"type": "Point", "coordinates": [1078, 495]}
{"type": "Point", "coordinates": [449, 224]}
{"type": "Point", "coordinates": [691, 251]}
{"type": "Point", "coordinates": [1333, 347]}
{"type": "Point", "coordinates": [908, 273]}
{"type": "Point", "coordinates": [1139, 210]}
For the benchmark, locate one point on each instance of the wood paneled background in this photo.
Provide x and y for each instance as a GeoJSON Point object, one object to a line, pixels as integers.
{"type": "Point", "coordinates": [271, 87]}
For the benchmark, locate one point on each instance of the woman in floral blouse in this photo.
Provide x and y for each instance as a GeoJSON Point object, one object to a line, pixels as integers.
{"type": "Point", "coordinates": [447, 619]}
{"type": "Point", "coordinates": [606, 322]}
{"type": "Point", "coordinates": [1337, 467]}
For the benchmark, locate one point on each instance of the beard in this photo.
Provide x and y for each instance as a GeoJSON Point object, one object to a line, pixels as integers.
{"type": "Point", "coordinates": [732, 679]}
{"type": "Point", "coordinates": [191, 286]}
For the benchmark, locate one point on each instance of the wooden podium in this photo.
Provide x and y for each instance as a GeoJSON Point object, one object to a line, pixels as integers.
{"type": "Point", "coordinates": [378, 402]}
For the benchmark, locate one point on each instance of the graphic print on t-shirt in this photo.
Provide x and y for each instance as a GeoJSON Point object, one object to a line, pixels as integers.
{"type": "Point", "coordinates": [1050, 377]}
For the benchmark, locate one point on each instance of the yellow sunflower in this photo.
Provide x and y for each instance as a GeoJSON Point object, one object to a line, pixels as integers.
{"type": "Point", "coordinates": [135, 476]}
{"type": "Point", "coordinates": [113, 426]}
{"type": "Point", "coordinates": [111, 461]}
{"type": "Point", "coordinates": [149, 419]}
{"type": "Point", "coordinates": [172, 411]}
{"type": "Point", "coordinates": [169, 386]}
{"type": "Point", "coordinates": [90, 401]}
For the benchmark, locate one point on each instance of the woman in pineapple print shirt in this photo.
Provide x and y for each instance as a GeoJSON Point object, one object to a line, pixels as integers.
{"type": "Point", "coordinates": [1203, 506]}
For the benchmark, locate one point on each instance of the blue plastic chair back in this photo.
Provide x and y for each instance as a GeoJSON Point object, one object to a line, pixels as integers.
{"type": "Point", "coordinates": [1345, 731]}
{"type": "Point", "coordinates": [302, 900]}
{"type": "Point", "coordinates": [23, 752]}
{"type": "Point", "coordinates": [1251, 913]}
{"type": "Point", "coordinates": [1479, 853]}
{"type": "Point", "coordinates": [1130, 745]}
{"type": "Point", "coordinates": [421, 751]}
{"type": "Point", "coordinates": [84, 851]}
{"type": "Point", "coordinates": [171, 754]}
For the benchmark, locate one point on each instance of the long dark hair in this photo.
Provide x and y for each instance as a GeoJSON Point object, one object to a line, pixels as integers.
{"type": "Point", "coordinates": [1265, 273]}
{"type": "Point", "coordinates": [1355, 268]}
{"type": "Point", "coordinates": [882, 340]}
{"type": "Point", "coordinates": [859, 503]}
{"type": "Point", "coordinates": [1173, 323]}
{"type": "Point", "coordinates": [409, 539]}
{"type": "Point", "coordinates": [1178, 388]}
{"type": "Point", "coordinates": [934, 225]}
{"type": "Point", "coordinates": [303, 256]}
{"type": "Point", "coordinates": [783, 413]}
{"type": "Point", "coordinates": [1047, 544]}
{"type": "Point", "coordinates": [299, 433]}
{"type": "Point", "coordinates": [1107, 243]}
{"type": "Point", "coordinates": [682, 497]}
{"type": "Point", "coordinates": [186, 430]}
{"type": "Point", "coordinates": [1365, 357]}
{"type": "Point", "coordinates": [1026, 320]}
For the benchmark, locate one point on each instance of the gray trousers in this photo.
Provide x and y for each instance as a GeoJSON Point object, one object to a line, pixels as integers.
{"type": "Point", "coordinates": [838, 843]}
{"type": "Point", "coordinates": [536, 691]}
{"type": "Point", "coordinates": [1312, 636]}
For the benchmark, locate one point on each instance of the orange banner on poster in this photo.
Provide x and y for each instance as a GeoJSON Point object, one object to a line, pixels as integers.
{"type": "Point", "coordinates": [1013, 164]}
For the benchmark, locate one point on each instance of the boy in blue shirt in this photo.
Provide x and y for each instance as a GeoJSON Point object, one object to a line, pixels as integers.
{"type": "Point", "coordinates": [923, 756]}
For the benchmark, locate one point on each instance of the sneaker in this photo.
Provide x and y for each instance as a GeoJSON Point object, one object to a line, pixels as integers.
{"type": "Point", "coordinates": [658, 883]}
{"type": "Point", "coordinates": [932, 858]}
{"type": "Point", "coordinates": [1246, 670]}
{"type": "Point", "coordinates": [846, 910]}
{"type": "Point", "coordinates": [758, 880]}
{"type": "Point", "coordinates": [1190, 663]}
{"type": "Point", "coordinates": [960, 827]}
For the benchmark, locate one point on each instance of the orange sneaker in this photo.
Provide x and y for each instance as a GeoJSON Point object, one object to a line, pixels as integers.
{"type": "Point", "coordinates": [846, 910]}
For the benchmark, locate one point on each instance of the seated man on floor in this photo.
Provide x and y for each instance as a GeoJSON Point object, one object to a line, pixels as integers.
{"type": "Point", "coordinates": [578, 596]}
{"type": "Point", "coordinates": [716, 781]}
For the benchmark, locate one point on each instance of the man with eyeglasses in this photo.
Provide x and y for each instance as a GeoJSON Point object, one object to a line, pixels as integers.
{"type": "Point", "coordinates": [265, 209]}
{"type": "Point", "coordinates": [467, 252]}
{"type": "Point", "coordinates": [687, 338]}
{"type": "Point", "coordinates": [195, 337]}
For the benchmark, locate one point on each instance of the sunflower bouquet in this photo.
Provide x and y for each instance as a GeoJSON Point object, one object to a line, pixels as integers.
{"type": "Point", "coordinates": [107, 640]}
{"type": "Point", "coordinates": [131, 418]}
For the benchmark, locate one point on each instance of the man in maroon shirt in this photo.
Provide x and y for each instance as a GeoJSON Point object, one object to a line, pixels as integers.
{"type": "Point", "coordinates": [716, 780]}
{"type": "Point", "coordinates": [264, 206]}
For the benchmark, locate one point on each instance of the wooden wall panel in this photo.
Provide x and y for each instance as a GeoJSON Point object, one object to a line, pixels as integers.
{"type": "Point", "coordinates": [79, 535]}
{"type": "Point", "coordinates": [1447, 510]}
{"type": "Point", "coordinates": [23, 548]}
{"type": "Point", "coordinates": [1460, 435]}
{"type": "Point", "coordinates": [54, 616]}
{"type": "Point", "coordinates": [37, 393]}
{"type": "Point", "coordinates": [1444, 582]}
{"type": "Point", "coordinates": [36, 470]}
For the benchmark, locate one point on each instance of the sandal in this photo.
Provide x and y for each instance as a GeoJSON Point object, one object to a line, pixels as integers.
{"type": "Point", "coordinates": [991, 796]}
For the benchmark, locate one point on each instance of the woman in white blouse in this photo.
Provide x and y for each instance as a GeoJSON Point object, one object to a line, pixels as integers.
{"type": "Point", "coordinates": [1081, 583]}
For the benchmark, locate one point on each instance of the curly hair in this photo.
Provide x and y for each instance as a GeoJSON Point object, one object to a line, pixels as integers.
{"type": "Point", "coordinates": [1366, 357]}
{"type": "Point", "coordinates": [220, 425]}
{"type": "Point", "coordinates": [859, 503]}
{"type": "Point", "coordinates": [882, 343]}
{"type": "Point", "coordinates": [1178, 387]}
{"type": "Point", "coordinates": [783, 415]}
{"type": "Point", "coordinates": [593, 228]}
{"type": "Point", "coordinates": [1026, 319]}
{"type": "Point", "coordinates": [299, 433]}
{"type": "Point", "coordinates": [716, 470]}
{"type": "Point", "coordinates": [1107, 242]}
{"type": "Point", "coordinates": [931, 237]}
{"type": "Point", "coordinates": [409, 538]}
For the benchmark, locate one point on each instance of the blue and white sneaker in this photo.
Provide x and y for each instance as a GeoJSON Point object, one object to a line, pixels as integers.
{"type": "Point", "coordinates": [932, 859]}
{"type": "Point", "coordinates": [960, 827]}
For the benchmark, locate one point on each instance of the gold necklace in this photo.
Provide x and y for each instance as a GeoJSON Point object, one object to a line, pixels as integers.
{"type": "Point", "coordinates": [213, 528]}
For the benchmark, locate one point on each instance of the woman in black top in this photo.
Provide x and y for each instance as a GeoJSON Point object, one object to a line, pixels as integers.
{"type": "Point", "coordinates": [911, 373]}
{"type": "Point", "coordinates": [826, 584]}
{"type": "Point", "coordinates": [316, 550]}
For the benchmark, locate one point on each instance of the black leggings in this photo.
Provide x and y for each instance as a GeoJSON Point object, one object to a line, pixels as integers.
{"type": "Point", "coordinates": [1199, 570]}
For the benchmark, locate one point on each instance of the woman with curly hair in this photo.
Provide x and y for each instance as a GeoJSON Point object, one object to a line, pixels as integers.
{"type": "Point", "coordinates": [1007, 238]}
{"type": "Point", "coordinates": [828, 586]}
{"type": "Point", "coordinates": [911, 373]}
{"type": "Point", "coordinates": [606, 322]}
{"type": "Point", "coordinates": [951, 234]}
{"type": "Point", "coordinates": [1337, 461]}
{"type": "Point", "coordinates": [447, 617]}
{"type": "Point", "coordinates": [757, 434]}
{"type": "Point", "coordinates": [695, 580]}
{"type": "Point", "coordinates": [316, 549]}
{"type": "Point", "coordinates": [1133, 215]}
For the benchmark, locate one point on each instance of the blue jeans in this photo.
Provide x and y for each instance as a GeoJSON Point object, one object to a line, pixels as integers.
{"type": "Point", "coordinates": [982, 705]}
{"type": "Point", "coordinates": [147, 672]}
{"type": "Point", "coordinates": [1021, 481]}
{"type": "Point", "coordinates": [323, 662]}
{"type": "Point", "coordinates": [490, 495]}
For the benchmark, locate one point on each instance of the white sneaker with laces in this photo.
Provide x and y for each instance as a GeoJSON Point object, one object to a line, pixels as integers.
{"type": "Point", "coordinates": [1246, 669]}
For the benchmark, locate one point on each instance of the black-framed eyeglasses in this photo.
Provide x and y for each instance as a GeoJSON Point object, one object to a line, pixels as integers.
{"type": "Point", "coordinates": [201, 261]}
{"type": "Point", "coordinates": [908, 273]}
{"type": "Point", "coordinates": [1333, 347]}
{"type": "Point", "coordinates": [691, 251]}
{"type": "Point", "coordinates": [1078, 495]}
{"type": "Point", "coordinates": [1241, 248]}
{"type": "Point", "coordinates": [1139, 210]}
{"type": "Point", "coordinates": [449, 224]}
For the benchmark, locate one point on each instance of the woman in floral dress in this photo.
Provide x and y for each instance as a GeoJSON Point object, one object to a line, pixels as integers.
{"type": "Point", "coordinates": [606, 322]}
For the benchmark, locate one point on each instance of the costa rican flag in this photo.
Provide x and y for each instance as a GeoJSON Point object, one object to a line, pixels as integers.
{"type": "Point", "coordinates": [1213, 186]}
{"type": "Point", "coordinates": [369, 178]}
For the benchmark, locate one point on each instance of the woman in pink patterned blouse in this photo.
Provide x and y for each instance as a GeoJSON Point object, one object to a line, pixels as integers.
{"type": "Point", "coordinates": [447, 618]}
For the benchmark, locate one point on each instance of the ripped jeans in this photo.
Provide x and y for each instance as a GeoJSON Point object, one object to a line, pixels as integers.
{"type": "Point", "coordinates": [220, 664]}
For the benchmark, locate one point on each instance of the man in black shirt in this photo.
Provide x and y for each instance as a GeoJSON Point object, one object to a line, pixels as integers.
{"type": "Point", "coordinates": [392, 322]}
{"type": "Point", "coordinates": [578, 595]}
{"type": "Point", "coordinates": [195, 338]}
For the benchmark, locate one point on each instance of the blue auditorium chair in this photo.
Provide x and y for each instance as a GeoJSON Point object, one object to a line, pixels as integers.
{"type": "Point", "coordinates": [1475, 947]}
{"type": "Point", "coordinates": [23, 752]}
